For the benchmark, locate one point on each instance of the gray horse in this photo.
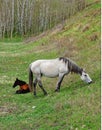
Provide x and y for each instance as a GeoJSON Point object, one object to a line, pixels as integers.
{"type": "Point", "coordinates": [58, 67]}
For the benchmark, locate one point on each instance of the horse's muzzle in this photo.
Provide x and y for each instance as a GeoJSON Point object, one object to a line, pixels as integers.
{"type": "Point", "coordinates": [90, 82]}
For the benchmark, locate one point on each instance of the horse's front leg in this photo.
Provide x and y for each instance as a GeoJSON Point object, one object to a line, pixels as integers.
{"type": "Point", "coordinates": [35, 83]}
{"type": "Point", "coordinates": [61, 76]}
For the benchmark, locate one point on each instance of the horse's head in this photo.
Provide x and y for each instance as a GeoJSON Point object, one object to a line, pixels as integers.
{"type": "Point", "coordinates": [85, 77]}
{"type": "Point", "coordinates": [16, 83]}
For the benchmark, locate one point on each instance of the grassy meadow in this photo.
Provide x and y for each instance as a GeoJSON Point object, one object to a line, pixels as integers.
{"type": "Point", "coordinates": [77, 105]}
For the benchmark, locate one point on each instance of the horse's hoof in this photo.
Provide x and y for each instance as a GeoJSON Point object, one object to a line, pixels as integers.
{"type": "Point", "coordinates": [45, 93]}
{"type": "Point", "coordinates": [57, 90]}
{"type": "Point", "coordinates": [35, 94]}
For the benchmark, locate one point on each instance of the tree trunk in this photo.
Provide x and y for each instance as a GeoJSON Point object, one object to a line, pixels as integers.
{"type": "Point", "coordinates": [12, 19]}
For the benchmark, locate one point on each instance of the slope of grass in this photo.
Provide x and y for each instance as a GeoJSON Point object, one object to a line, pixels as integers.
{"type": "Point", "coordinates": [77, 105]}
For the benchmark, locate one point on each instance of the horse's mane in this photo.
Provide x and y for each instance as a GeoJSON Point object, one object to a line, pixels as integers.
{"type": "Point", "coordinates": [72, 66]}
{"type": "Point", "coordinates": [21, 82]}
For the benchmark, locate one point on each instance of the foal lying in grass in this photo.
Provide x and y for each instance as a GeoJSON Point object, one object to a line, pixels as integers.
{"type": "Point", "coordinates": [24, 88]}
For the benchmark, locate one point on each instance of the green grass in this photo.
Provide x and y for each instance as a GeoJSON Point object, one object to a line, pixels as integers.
{"type": "Point", "coordinates": [12, 40]}
{"type": "Point", "coordinates": [77, 105]}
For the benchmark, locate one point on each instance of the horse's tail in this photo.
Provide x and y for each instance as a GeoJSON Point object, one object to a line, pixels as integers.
{"type": "Point", "coordinates": [30, 79]}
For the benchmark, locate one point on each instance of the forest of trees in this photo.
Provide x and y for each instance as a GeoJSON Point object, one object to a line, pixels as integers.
{"type": "Point", "coordinates": [27, 17]}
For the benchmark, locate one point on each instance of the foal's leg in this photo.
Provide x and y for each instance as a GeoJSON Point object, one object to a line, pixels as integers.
{"type": "Point", "coordinates": [18, 92]}
{"type": "Point", "coordinates": [40, 85]}
{"type": "Point", "coordinates": [35, 83]}
{"type": "Point", "coordinates": [61, 76]}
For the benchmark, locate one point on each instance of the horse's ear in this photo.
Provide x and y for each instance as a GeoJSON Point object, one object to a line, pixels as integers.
{"type": "Point", "coordinates": [16, 78]}
{"type": "Point", "coordinates": [81, 69]}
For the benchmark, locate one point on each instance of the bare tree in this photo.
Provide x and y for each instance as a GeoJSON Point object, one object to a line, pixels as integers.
{"type": "Point", "coordinates": [12, 18]}
{"type": "Point", "coordinates": [31, 17]}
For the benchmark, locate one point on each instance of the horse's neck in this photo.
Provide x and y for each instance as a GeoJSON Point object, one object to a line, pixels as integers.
{"type": "Point", "coordinates": [21, 83]}
{"type": "Point", "coordinates": [76, 69]}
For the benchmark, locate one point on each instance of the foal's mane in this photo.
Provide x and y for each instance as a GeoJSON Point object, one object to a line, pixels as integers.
{"type": "Point", "coordinates": [21, 82]}
{"type": "Point", "coordinates": [72, 66]}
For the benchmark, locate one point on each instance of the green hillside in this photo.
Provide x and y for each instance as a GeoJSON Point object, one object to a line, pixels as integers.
{"type": "Point", "coordinates": [77, 105]}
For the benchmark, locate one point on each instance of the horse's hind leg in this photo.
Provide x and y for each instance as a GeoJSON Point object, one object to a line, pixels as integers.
{"type": "Point", "coordinates": [35, 83]}
{"type": "Point", "coordinates": [59, 83]}
{"type": "Point", "coordinates": [41, 86]}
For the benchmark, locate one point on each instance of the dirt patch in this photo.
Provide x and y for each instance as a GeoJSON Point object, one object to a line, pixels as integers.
{"type": "Point", "coordinates": [95, 2]}
{"type": "Point", "coordinates": [6, 110]}
{"type": "Point", "coordinates": [93, 37]}
{"type": "Point", "coordinates": [51, 32]}
{"type": "Point", "coordinates": [66, 46]}
{"type": "Point", "coordinates": [85, 27]}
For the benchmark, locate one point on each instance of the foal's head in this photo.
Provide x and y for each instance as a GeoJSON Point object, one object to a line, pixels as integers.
{"type": "Point", "coordinates": [85, 77]}
{"type": "Point", "coordinates": [18, 82]}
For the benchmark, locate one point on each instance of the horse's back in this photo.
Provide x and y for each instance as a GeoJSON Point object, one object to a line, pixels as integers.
{"type": "Point", "coordinates": [39, 65]}
{"type": "Point", "coordinates": [49, 68]}
{"type": "Point", "coordinates": [35, 66]}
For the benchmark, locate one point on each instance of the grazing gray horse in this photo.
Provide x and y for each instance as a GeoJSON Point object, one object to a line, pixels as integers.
{"type": "Point", "coordinates": [58, 67]}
